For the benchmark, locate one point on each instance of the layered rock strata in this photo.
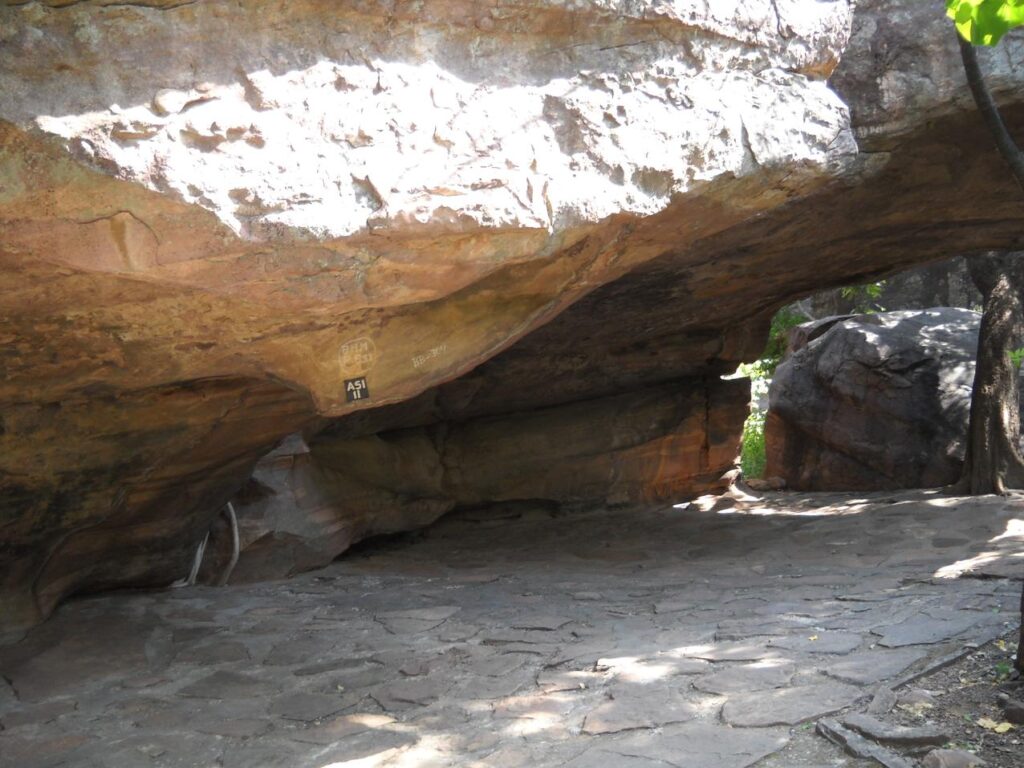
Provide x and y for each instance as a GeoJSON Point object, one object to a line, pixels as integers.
{"type": "Point", "coordinates": [224, 223]}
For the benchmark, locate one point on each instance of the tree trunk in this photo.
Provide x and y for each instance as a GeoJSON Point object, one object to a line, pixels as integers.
{"type": "Point", "coordinates": [993, 462]}
{"type": "Point", "coordinates": [1002, 462]}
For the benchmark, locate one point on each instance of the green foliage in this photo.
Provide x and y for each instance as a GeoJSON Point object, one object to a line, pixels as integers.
{"type": "Point", "coordinates": [1017, 357]}
{"type": "Point", "coordinates": [864, 297]}
{"type": "Point", "coordinates": [752, 448]}
{"type": "Point", "coordinates": [984, 22]}
{"type": "Point", "coordinates": [1003, 670]}
{"type": "Point", "coordinates": [764, 368]}
{"type": "Point", "coordinates": [760, 372]}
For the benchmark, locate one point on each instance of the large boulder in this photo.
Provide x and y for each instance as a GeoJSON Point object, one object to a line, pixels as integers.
{"type": "Point", "coordinates": [874, 402]}
{"type": "Point", "coordinates": [433, 230]}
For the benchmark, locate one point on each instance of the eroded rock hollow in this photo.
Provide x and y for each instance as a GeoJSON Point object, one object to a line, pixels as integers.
{"type": "Point", "coordinates": [470, 252]}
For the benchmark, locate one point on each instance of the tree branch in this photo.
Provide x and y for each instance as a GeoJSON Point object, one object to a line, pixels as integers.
{"type": "Point", "coordinates": [990, 112]}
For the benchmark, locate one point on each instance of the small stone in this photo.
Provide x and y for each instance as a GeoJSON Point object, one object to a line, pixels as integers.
{"type": "Point", "coordinates": [858, 746]}
{"type": "Point", "coordinates": [917, 698]}
{"type": "Point", "coordinates": [951, 758]}
{"type": "Point", "coordinates": [882, 702]}
{"type": "Point", "coordinates": [1013, 709]}
{"type": "Point", "coordinates": [169, 101]}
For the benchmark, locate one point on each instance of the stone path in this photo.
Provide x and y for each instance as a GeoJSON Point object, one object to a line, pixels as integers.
{"type": "Point", "coordinates": [706, 637]}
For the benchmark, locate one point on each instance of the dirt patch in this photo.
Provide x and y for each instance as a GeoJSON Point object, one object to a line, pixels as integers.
{"type": "Point", "coordinates": [964, 702]}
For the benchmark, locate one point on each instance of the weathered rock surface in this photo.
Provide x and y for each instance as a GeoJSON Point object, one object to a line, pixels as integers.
{"type": "Point", "coordinates": [482, 218]}
{"type": "Point", "coordinates": [874, 401]}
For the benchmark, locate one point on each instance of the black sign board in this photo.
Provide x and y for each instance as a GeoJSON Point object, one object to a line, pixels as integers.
{"type": "Point", "coordinates": [356, 389]}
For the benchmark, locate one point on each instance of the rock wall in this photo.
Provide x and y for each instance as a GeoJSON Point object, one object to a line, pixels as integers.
{"type": "Point", "coordinates": [227, 222]}
{"type": "Point", "coordinates": [874, 402]}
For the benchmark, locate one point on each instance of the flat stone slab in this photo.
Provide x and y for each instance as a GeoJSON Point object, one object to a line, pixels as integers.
{"type": "Point", "coordinates": [858, 746]}
{"type": "Point", "coordinates": [748, 677]}
{"type": "Point", "coordinates": [242, 728]}
{"type": "Point", "coordinates": [227, 685]}
{"type": "Point", "coordinates": [40, 713]}
{"type": "Point", "coordinates": [896, 735]}
{"type": "Point", "coordinates": [415, 619]}
{"type": "Point", "coordinates": [820, 642]}
{"type": "Point", "coordinates": [701, 745]}
{"type": "Point", "coordinates": [868, 667]}
{"type": "Point", "coordinates": [298, 651]}
{"type": "Point", "coordinates": [414, 692]}
{"type": "Point", "coordinates": [340, 728]}
{"type": "Point", "coordinates": [737, 651]}
{"type": "Point", "coordinates": [632, 707]}
{"type": "Point", "coordinates": [788, 706]}
{"type": "Point", "coordinates": [925, 630]}
{"type": "Point", "coordinates": [212, 652]}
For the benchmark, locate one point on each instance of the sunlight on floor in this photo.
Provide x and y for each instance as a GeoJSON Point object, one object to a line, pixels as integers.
{"type": "Point", "coordinates": [1013, 537]}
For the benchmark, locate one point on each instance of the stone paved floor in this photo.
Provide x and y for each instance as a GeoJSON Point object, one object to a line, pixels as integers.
{"type": "Point", "coordinates": [701, 638]}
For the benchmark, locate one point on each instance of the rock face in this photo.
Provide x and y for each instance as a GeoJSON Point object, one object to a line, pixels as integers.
{"type": "Point", "coordinates": [303, 508]}
{"type": "Point", "coordinates": [470, 251]}
{"type": "Point", "coordinates": [874, 401]}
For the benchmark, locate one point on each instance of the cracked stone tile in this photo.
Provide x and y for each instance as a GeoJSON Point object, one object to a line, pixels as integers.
{"type": "Point", "coordinates": [37, 714]}
{"type": "Point", "coordinates": [212, 653]}
{"type": "Point", "coordinates": [749, 677]}
{"type": "Point", "coordinates": [227, 685]}
{"type": "Point", "coordinates": [542, 706]}
{"type": "Point", "coordinates": [333, 665]}
{"type": "Point", "coordinates": [926, 630]}
{"type": "Point", "coordinates": [413, 692]}
{"type": "Point", "coordinates": [415, 619]}
{"type": "Point", "coordinates": [498, 664]}
{"type": "Point", "coordinates": [541, 623]}
{"type": "Point", "coordinates": [306, 707]}
{"type": "Point", "coordinates": [340, 727]}
{"type": "Point", "coordinates": [34, 750]}
{"type": "Point", "coordinates": [819, 642]}
{"type": "Point", "coordinates": [737, 651]}
{"type": "Point", "coordinates": [554, 680]}
{"type": "Point", "coordinates": [241, 728]}
{"type": "Point", "coordinates": [298, 651]}
{"type": "Point", "coordinates": [869, 667]}
{"type": "Point", "coordinates": [886, 733]}
{"type": "Point", "coordinates": [187, 635]}
{"type": "Point", "coordinates": [788, 706]}
{"type": "Point", "coordinates": [638, 706]}
{"type": "Point", "coordinates": [177, 750]}
{"type": "Point", "coordinates": [698, 744]}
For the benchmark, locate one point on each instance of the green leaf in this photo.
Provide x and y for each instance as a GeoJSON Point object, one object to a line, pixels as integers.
{"type": "Point", "coordinates": [984, 22]}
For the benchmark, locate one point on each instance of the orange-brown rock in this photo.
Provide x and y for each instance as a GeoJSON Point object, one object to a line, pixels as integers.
{"type": "Point", "coordinates": [542, 227]}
